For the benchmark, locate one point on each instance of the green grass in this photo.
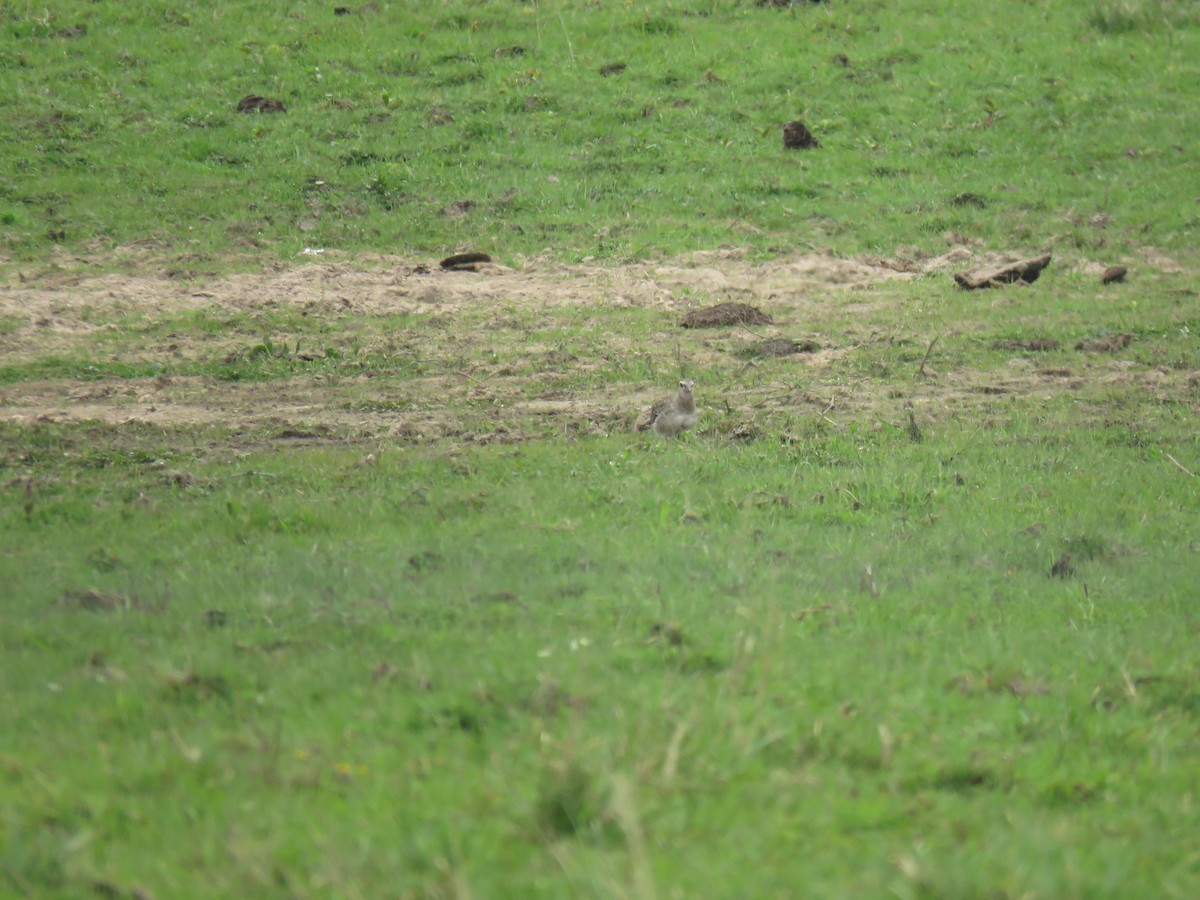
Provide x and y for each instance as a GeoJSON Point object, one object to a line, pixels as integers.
{"type": "Point", "coordinates": [396, 605]}
{"type": "Point", "coordinates": [853, 642]}
{"type": "Point", "coordinates": [1012, 127]}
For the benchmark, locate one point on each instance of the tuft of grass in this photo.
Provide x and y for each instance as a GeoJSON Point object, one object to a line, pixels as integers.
{"type": "Point", "coordinates": [1142, 16]}
{"type": "Point", "coordinates": [567, 803]}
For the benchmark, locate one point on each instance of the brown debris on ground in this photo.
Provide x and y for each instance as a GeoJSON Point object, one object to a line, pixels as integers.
{"type": "Point", "coordinates": [97, 601]}
{"type": "Point", "coordinates": [1110, 344]}
{"type": "Point", "coordinates": [1025, 271]}
{"type": "Point", "coordinates": [1062, 567]}
{"type": "Point", "coordinates": [724, 314]}
{"type": "Point", "coordinates": [254, 103]}
{"type": "Point", "coordinates": [1037, 345]}
{"type": "Point", "coordinates": [458, 209]}
{"type": "Point", "coordinates": [783, 347]}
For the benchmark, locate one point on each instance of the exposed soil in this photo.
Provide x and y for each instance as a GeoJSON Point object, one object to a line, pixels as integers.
{"type": "Point", "coordinates": [1110, 344]}
{"type": "Point", "coordinates": [726, 314]}
{"type": "Point", "coordinates": [253, 103]}
{"type": "Point", "coordinates": [783, 347]}
{"type": "Point", "coordinates": [811, 298]}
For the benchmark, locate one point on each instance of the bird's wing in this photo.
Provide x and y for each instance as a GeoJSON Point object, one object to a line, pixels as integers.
{"type": "Point", "coordinates": [650, 417]}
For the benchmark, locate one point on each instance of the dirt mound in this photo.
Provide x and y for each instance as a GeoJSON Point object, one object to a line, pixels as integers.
{"type": "Point", "coordinates": [725, 314]}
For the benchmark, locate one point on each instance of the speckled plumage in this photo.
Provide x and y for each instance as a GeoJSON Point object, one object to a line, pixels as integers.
{"type": "Point", "coordinates": [672, 416]}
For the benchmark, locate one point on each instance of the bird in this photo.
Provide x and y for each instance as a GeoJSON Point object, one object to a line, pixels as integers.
{"type": "Point", "coordinates": [672, 416]}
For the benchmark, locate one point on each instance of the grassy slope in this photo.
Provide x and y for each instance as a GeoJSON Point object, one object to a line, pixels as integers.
{"type": "Point", "coordinates": [950, 721]}
{"type": "Point", "coordinates": [1009, 127]}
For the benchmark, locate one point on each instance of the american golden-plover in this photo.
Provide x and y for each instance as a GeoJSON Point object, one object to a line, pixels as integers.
{"type": "Point", "coordinates": [672, 416]}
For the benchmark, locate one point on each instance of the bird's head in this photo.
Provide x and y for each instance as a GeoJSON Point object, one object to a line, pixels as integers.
{"type": "Point", "coordinates": [686, 386]}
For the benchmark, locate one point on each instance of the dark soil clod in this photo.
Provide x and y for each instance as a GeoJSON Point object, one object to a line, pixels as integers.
{"type": "Point", "coordinates": [464, 262]}
{"type": "Point", "coordinates": [968, 199]}
{"type": "Point", "coordinates": [253, 103]}
{"type": "Point", "coordinates": [796, 136]}
{"type": "Point", "coordinates": [1024, 271]}
{"type": "Point", "coordinates": [725, 314]}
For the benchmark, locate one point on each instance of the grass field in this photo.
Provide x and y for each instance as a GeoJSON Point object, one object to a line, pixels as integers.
{"type": "Point", "coordinates": [1012, 126]}
{"type": "Point", "coordinates": [338, 575]}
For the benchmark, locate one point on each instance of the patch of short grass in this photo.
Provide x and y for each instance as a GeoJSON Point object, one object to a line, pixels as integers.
{"type": "Point", "coordinates": [1015, 128]}
{"type": "Point", "coordinates": [848, 638]}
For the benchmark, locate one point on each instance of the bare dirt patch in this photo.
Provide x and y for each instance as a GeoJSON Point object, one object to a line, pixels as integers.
{"type": "Point", "coordinates": [474, 368]}
{"type": "Point", "coordinates": [724, 315]}
{"type": "Point", "coordinates": [387, 285]}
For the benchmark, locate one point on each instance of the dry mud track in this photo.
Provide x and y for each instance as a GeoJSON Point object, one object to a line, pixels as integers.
{"type": "Point", "coordinates": [842, 305]}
